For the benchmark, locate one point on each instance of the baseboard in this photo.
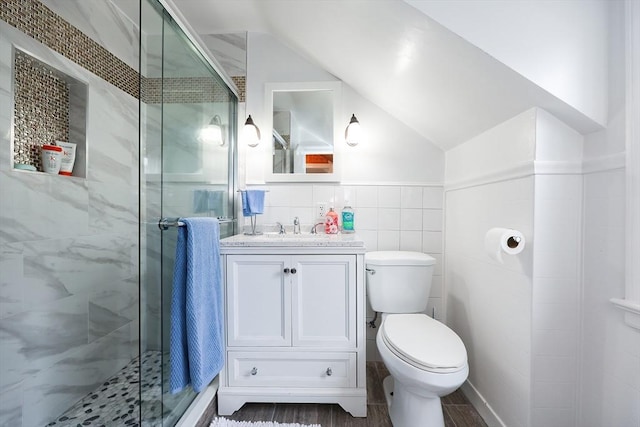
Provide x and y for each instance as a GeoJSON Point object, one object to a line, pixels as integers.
{"type": "Point", "coordinates": [481, 405]}
{"type": "Point", "coordinates": [199, 405]}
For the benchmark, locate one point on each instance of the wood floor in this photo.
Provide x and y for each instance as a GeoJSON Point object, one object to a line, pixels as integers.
{"type": "Point", "coordinates": [458, 412]}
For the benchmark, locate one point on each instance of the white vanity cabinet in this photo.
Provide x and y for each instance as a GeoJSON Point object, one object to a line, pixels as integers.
{"type": "Point", "coordinates": [294, 326]}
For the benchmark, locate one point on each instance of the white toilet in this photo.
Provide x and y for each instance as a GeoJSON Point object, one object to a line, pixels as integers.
{"type": "Point", "coordinates": [426, 359]}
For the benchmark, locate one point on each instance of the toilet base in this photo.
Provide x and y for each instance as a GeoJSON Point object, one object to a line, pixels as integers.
{"type": "Point", "coordinates": [387, 386]}
{"type": "Point", "coordinates": [408, 409]}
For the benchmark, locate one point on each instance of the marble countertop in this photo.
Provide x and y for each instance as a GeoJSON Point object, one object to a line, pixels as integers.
{"type": "Point", "coordinates": [294, 240]}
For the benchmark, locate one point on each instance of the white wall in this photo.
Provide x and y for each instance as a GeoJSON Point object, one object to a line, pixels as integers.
{"type": "Point", "coordinates": [559, 45]}
{"type": "Point", "coordinates": [391, 153]}
{"type": "Point", "coordinates": [487, 303]}
{"type": "Point", "coordinates": [610, 354]}
{"type": "Point", "coordinates": [557, 249]}
{"type": "Point", "coordinates": [519, 320]}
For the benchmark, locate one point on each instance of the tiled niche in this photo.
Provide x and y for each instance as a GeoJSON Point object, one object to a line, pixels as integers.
{"type": "Point", "coordinates": [49, 106]}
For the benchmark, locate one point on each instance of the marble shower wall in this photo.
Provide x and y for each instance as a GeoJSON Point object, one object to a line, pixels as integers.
{"type": "Point", "coordinates": [68, 254]}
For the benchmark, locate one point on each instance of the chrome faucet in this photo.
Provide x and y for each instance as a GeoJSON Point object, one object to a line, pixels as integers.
{"type": "Point", "coordinates": [296, 225]}
{"type": "Point", "coordinates": [313, 229]}
{"type": "Point", "coordinates": [281, 229]}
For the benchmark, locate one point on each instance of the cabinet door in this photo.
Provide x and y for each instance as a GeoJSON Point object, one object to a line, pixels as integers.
{"type": "Point", "coordinates": [324, 301]}
{"type": "Point", "coordinates": [258, 301]}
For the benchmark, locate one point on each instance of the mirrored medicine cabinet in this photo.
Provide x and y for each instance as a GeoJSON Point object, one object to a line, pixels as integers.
{"type": "Point", "coordinates": [303, 122]}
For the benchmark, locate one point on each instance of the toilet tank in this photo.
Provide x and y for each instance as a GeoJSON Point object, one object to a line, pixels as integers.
{"type": "Point", "coordinates": [398, 281]}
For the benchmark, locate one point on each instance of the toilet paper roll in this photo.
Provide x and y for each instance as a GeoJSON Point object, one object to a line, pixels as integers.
{"type": "Point", "coordinates": [503, 240]}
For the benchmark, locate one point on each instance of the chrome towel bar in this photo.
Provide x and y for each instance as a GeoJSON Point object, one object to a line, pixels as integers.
{"type": "Point", "coordinates": [165, 223]}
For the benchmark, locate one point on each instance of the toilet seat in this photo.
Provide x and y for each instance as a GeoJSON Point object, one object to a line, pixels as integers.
{"type": "Point", "coordinates": [424, 343]}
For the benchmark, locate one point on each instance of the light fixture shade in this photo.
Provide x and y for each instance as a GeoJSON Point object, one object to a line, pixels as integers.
{"type": "Point", "coordinates": [212, 133]}
{"type": "Point", "coordinates": [251, 133]}
{"type": "Point", "coordinates": [353, 132]}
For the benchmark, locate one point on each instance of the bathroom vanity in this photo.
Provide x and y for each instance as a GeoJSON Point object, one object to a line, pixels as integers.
{"type": "Point", "coordinates": [294, 321]}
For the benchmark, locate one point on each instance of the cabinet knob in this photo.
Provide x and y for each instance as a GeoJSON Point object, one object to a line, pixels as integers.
{"type": "Point", "coordinates": [286, 270]}
{"type": "Point", "coordinates": [254, 371]}
{"type": "Point", "coordinates": [329, 372]}
{"type": "Point", "coordinates": [293, 271]}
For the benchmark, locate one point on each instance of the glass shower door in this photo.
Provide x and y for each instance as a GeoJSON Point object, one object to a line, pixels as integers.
{"type": "Point", "coordinates": [188, 139]}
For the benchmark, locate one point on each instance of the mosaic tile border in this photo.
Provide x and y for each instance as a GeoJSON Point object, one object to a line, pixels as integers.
{"type": "Point", "coordinates": [241, 84]}
{"type": "Point", "coordinates": [186, 90]}
{"type": "Point", "coordinates": [41, 23]}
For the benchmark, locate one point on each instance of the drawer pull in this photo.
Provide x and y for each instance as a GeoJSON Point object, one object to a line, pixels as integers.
{"type": "Point", "coordinates": [254, 371]}
{"type": "Point", "coordinates": [329, 372]}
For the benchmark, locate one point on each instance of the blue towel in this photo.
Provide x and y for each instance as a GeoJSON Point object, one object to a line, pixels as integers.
{"type": "Point", "coordinates": [252, 202]}
{"type": "Point", "coordinates": [196, 350]}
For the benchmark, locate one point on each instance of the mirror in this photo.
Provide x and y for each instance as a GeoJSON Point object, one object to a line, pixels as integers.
{"type": "Point", "coordinates": [303, 131]}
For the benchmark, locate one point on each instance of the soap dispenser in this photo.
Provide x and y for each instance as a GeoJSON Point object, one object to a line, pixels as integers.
{"type": "Point", "coordinates": [347, 219]}
{"type": "Point", "coordinates": [331, 222]}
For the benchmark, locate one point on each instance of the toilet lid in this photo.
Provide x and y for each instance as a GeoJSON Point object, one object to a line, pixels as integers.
{"type": "Point", "coordinates": [424, 342]}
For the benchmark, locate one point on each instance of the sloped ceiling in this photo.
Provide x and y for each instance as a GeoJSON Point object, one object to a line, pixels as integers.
{"type": "Point", "coordinates": [426, 76]}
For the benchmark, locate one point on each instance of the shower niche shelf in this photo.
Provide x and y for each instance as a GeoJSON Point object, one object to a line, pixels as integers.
{"type": "Point", "coordinates": [48, 106]}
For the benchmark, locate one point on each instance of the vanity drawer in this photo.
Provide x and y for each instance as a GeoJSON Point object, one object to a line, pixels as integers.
{"type": "Point", "coordinates": [298, 370]}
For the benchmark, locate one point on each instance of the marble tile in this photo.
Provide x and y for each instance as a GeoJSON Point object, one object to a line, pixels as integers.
{"type": "Point", "coordinates": [57, 388]}
{"type": "Point", "coordinates": [12, 361]}
{"type": "Point", "coordinates": [29, 200]}
{"type": "Point", "coordinates": [33, 341]}
{"type": "Point", "coordinates": [120, 297]}
{"type": "Point", "coordinates": [103, 22]}
{"type": "Point", "coordinates": [51, 266]}
{"type": "Point", "coordinates": [151, 44]}
{"type": "Point", "coordinates": [103, 321]}
{"type": "Point", "coordinates": [230, 50]}
{"type": "Point", "coordinates": [11, 290]}
{"type": "Point", "coordinates": [112, 208]}
{"type": "Point", "coordinates": [112, 133]}
{"type": "Point", "coordinates": [76, 266]}
{"type": "Point", "coordinates": [11, 405]}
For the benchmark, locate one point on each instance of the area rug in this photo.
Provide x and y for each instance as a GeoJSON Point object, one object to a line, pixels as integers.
{"type": "Point", "coordinates": [223, 422]}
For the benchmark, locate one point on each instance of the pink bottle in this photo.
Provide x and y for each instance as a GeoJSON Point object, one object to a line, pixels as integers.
{"type": "Point", "coordinates": [331, 222]}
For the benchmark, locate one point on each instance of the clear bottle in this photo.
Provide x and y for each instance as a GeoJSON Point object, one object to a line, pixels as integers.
{"type": "Point", "coordinates": [331, 222]}
{"type": "Point", "coordinates": [348, 220]}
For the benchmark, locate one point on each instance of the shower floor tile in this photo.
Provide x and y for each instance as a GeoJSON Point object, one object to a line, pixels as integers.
{"type": "Point", "coordinates": [117, 400]}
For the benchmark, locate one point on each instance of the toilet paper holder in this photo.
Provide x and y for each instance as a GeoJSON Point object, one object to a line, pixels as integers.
{"type": "Point", "coordinates": [507, 241]}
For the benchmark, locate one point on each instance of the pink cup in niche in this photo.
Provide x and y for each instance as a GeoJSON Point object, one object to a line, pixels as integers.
{"type": "Point", "coordinates": [51, 158]}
